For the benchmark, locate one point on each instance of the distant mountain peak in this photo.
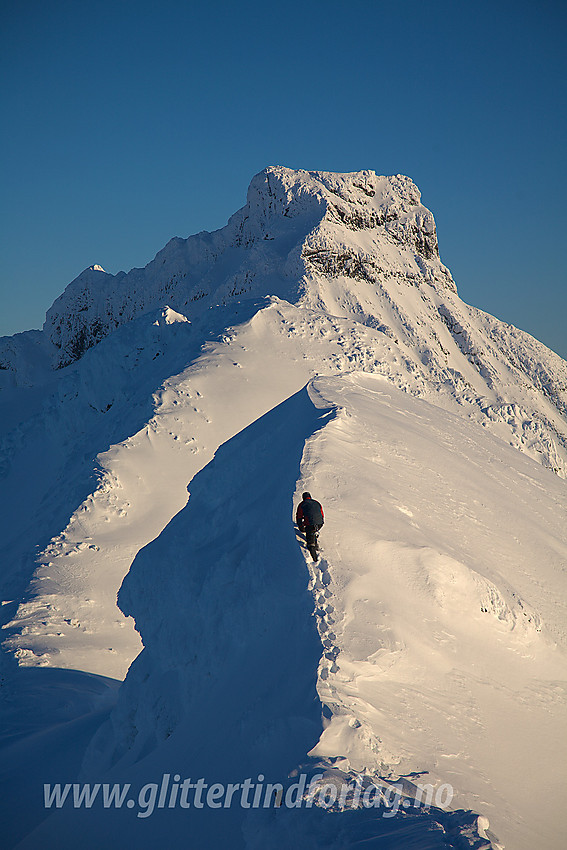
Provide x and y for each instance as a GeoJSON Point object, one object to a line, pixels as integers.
{"type": "Point", "coordinates": [296, 226]}
{"type": "Point", "coordinates": [358, 200]}
{"type": "Point", "coordinates": [355, 250]}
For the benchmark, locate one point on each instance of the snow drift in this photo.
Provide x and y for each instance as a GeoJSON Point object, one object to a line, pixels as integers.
{"type": "Point", "coordinates": [317, 341]}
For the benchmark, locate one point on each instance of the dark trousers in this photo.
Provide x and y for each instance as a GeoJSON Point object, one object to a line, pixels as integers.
{"type": "Point", "coordinates": [311, 534]}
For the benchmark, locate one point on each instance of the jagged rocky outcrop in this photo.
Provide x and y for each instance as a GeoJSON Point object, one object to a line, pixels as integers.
{"type": "Point", "coordinates": [288, 226]}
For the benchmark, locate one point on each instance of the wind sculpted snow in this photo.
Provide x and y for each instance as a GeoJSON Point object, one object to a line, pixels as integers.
{"type": "Point", "coordinates": [439, 643]}
{"type": "Point", "coordinates": [447, 555]}
{"type": "Point", "coordinates": [241, 624]}
{"type": "Point", "coordinates": [439, 603]}
{"type": "Point", "coordinates": [230, 655]}
{"type": "Point", "coordinates": [226, 686]}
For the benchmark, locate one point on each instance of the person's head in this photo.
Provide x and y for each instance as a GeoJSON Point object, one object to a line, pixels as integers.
{"type": "Point", "coordinates": [306, 496]}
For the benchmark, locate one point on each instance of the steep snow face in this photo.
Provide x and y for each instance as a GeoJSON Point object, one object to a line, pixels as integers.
{"type": "Point", "coordinates": [227, 552]}
{"type": "Point", "coordinates": [439, 601]}
{"type": "Point", "coordinates": [444, 551]}
{"type": "Point", "coordinates": [125, 429]}
{"type": "Point", "coordinates": [319, 273]}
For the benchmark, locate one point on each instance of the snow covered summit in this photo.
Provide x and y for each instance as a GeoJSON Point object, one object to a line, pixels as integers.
{"type": "Point", "coordinates": [315, 342]}
{"type": "Point", "coordinates": [356, 250]}
{"type": "Point", "coordinates": [293, 222]}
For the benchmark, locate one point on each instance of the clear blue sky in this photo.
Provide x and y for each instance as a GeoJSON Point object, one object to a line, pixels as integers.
{"type": "Point", "coordinates": [126, 122]}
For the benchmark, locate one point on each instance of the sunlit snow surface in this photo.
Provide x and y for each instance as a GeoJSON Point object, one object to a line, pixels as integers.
{"type": "Point", "coordinates": [429, 640]}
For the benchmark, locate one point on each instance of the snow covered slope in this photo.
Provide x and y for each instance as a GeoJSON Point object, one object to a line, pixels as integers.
{"type": "Point", "coordinates": [440, 603]}
{"type": "Point", "coordinates": [354, 246]}
{"type": "Point", "coordinates": [450, 609]}
{"type": "Point", "coordinates": [117, 408]}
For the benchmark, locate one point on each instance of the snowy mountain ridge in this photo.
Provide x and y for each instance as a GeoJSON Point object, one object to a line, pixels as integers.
{"type": "Point", "coordinates": [353, 246]}
{"type": "Point", "coordinates": [316, 342]}
{"type": "Point", "coordinates": [282, 204]}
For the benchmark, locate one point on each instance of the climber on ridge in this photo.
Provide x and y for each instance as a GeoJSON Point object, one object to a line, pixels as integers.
{"type": "Point", "coordinates": [310, 519]}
